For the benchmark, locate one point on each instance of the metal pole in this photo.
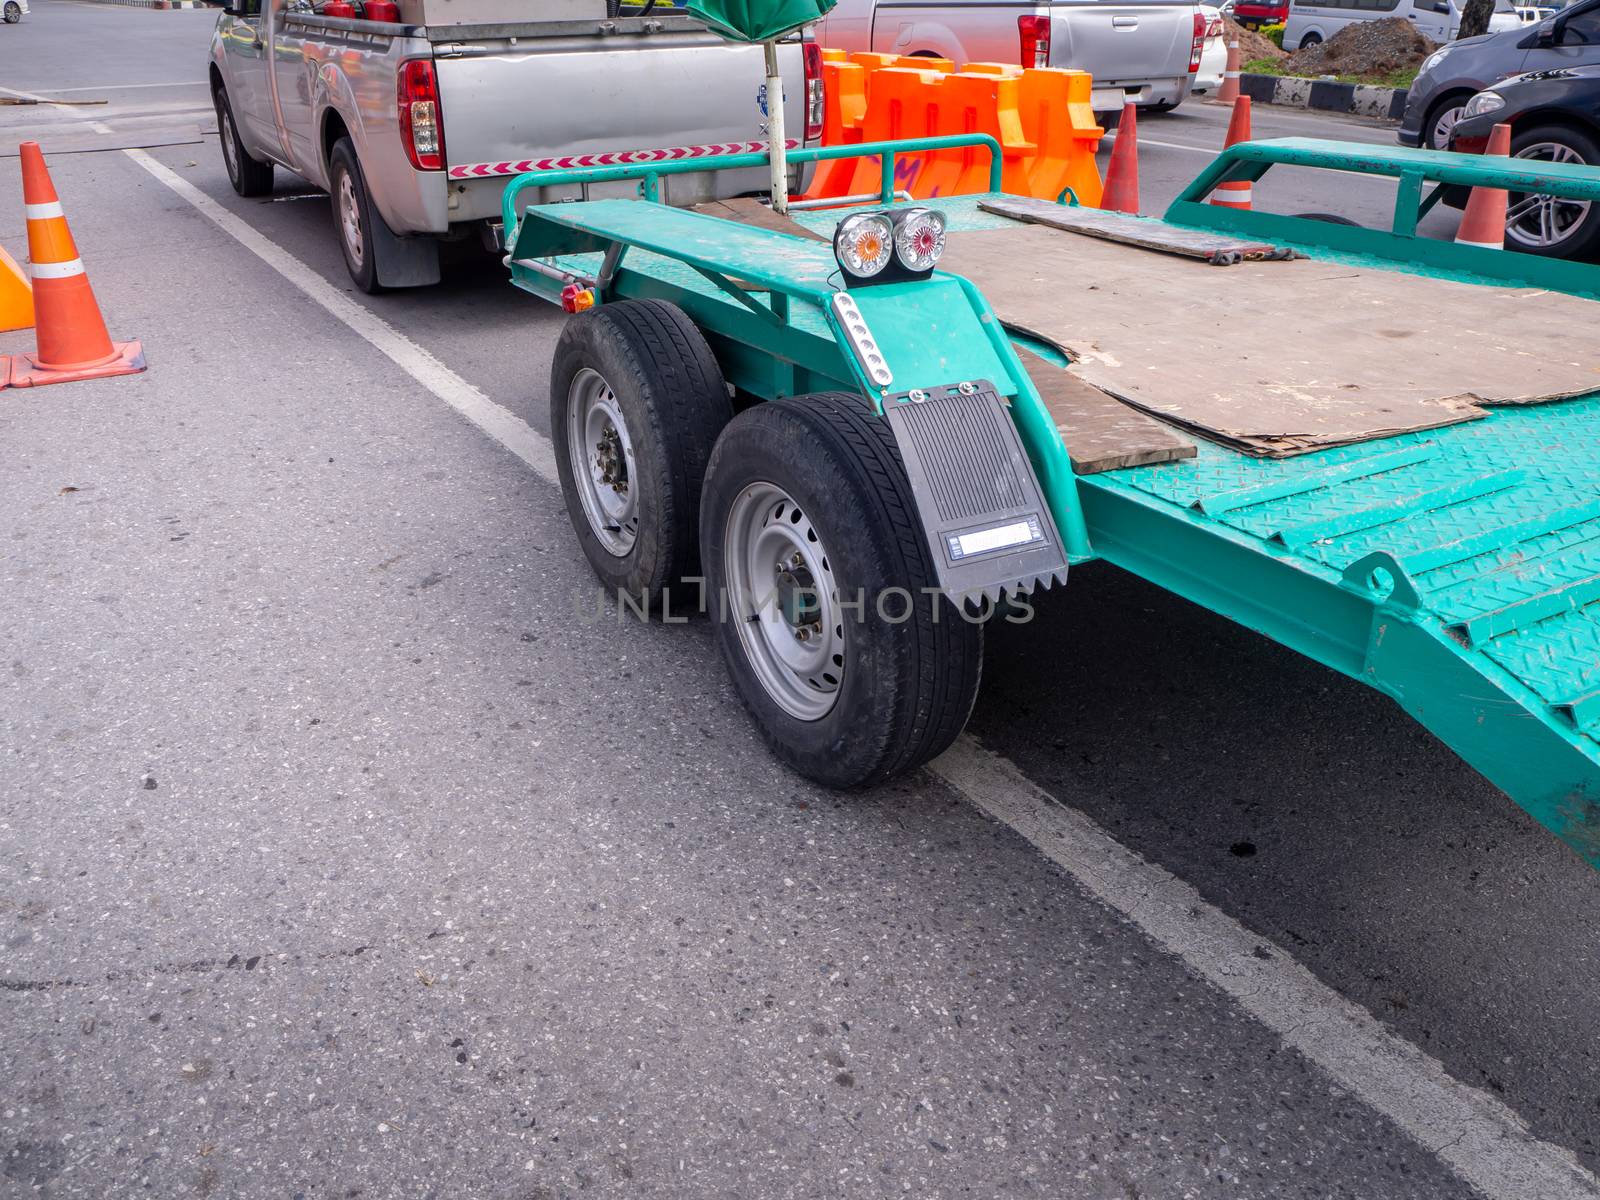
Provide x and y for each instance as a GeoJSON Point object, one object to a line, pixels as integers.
{"type": "Point", "coordinates": [777, 139]}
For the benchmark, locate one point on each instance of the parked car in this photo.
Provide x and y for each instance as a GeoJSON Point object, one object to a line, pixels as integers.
{"type": "Point", "coordinates": [1554, 117]}
{"type": "Point", "coordinates": [14, 11]}
{"type": "Point", "coordinates": [1450, 76]}
{"type": "Point", "coordinates": [1146, 51]}
{"type": "Point", "coordinates": [415, 125]}
{"type": "Point", "coordinates": [1213, 58]}
{"type": "Point", "coordinates": [1313, 21]}
{"type": "Point", "coordinates": [1253, 14]}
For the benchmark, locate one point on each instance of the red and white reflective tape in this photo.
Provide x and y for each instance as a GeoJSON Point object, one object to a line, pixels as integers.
{"type": "Point", "coordinates": [614, 158]}
{"type": "Point", "coordinates": [57, 270]}
{"type": "Point", "coordinates": [43, 212]}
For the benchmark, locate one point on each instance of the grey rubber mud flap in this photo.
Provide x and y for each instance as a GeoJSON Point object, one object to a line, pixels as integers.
{"type": "Point", "coordinates": [981, 506]}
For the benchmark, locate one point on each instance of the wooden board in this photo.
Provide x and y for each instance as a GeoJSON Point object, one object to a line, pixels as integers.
{"type": "Point", "coordinates": [1145, 232]}
{"type": "Point", "coordinates": [749, 211]}
{"type": "Point", "coordinates": [1100, 431]}
{"type": "Point", "coordinates": [1287, 357]}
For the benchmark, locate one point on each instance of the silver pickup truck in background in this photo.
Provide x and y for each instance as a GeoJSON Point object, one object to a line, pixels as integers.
{"type": "Point", "coordinates": [415, 123]}
{"type": "Point", "coordinates": [1146, 51]}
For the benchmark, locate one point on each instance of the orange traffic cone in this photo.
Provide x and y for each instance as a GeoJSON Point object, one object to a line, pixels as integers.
{"type": "Point", "coordinates": [1484, 221]}
{"type": "Point", "coordinates": [1236, 192]}
{"type": "Point", "coordinates": [16, 299]}
{"type": "Point", "coordinates": [73, 342]}
{"type": "Point", "coordinates": [1121, 191]}
{"type": "Point", "coordinates": [1229, 91]}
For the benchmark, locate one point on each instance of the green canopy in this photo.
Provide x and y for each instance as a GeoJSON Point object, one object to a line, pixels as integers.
{"type": "Point", "coordinates": [758, 20]}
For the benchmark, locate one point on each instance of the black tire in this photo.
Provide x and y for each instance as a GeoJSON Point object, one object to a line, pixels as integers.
{"type": "Point", "coordinates": [1583, 239]}
{"type": "Point", "coordinates": [1163, 106]}
{"type": "Point", "coordinates": [673, 403]}
{"type": "Point", "coordinates": [1310, 39]}
{"type": "Point", "coordinates": [12, 12]}
{"type": "Point", "coordinates": [248, 176]}
{"type": "Point", "coordinates": [355, 239]}
{"type": "Point", "coordinates": [1330, 218]}
{"type": "Point", "coordinates": [907, 685]}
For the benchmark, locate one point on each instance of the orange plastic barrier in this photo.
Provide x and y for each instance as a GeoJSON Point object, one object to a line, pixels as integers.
{"type": "Point", "coordinates": [1040, 117]}
{"type": "Point", "coordinates": [845, 106]}
{"type": "Point", "coordinates": [1057, 118]}
{"type": "Point", "coordinates": [977, 104]}
{"type": "Point", "coordinates": [901, 104]}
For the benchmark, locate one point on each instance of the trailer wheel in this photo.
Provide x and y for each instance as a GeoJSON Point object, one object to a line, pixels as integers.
{"type": "Point", "coordinates": [636, 403]}
{"type": "Point", "coordinates": [248, 176]}
{"type": "Point", "coordinates": [818, 571]}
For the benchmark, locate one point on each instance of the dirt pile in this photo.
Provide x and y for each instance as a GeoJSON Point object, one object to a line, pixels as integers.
{"type": "Point", "coordinates": [1252, 45]}
{"type": "Point", "coordinates": [1367, 48]}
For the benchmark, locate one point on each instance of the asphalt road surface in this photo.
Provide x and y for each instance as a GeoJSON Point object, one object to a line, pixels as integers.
{"type": "Point", "coordinates": [340, 856]}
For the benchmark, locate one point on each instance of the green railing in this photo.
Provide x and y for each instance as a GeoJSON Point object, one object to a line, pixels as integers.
{"type": "Point", "coordinates": [1411, 170]}
{"type": "Point", "coordinates": [649, 174]}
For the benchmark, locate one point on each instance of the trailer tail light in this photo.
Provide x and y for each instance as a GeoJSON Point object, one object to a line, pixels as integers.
{"type": "Point", "coordinates": [1198, 46]}
{"type": "Point", "coordinates": [421, 129]}
{"type": "Point", "coordinates": [816, 90]}
{"type": "Point", "coordinates": [1033, 34]}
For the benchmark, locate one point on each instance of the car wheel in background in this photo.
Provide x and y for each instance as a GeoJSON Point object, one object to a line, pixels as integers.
{"type": "Point", "coordinates": [13, 12]}
{"type": "Point", "coordinates": [1550, 225]}
{"type": "Point", "coordinates": [1441, 121]}
{"type": "Point", "coordinates": [1310, 39]}
{"type": "Point", "coordinates": [248, 177]}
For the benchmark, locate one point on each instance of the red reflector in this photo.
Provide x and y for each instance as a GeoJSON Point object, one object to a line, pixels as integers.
{"type": "Point", "coordinates": [421, 120]}
{"type": "Point", "coordinates": [1033, 36]}
{"type": "Point", "coordinates": [575, 299]}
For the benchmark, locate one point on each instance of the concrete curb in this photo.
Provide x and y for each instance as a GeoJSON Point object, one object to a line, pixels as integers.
{"type": "Point", "coordinates": [1387, 104]}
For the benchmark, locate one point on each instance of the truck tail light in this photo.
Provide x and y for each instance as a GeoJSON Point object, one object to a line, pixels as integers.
{"type": "Point", "coordinates": [1033, 34]}
{"type": "Point", "coordinates": [1214, 28]}
{"type": "Point", "coordinates": [421, 127]}
{"type": "Point", "coordinates": [816, 91]}
{"type": "Point", "coordinates": [1198, 46]}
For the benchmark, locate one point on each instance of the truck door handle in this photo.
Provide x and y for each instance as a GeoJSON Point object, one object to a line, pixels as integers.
{"type": "Point", "coordinates": [1125, 22]}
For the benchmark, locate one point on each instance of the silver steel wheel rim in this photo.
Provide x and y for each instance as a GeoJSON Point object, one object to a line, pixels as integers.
{"type": "Point", "coordinates": [230, 151]}
{"type": "Point", "coordinates": [13, 13]}
{"type": "Point", "coordinates": [602, 462]}
{"type": "Point", "coordinates": [1444, 126]}
{"type": "Point", "coordinates": [784, 600]}
{"type": "Point", "coordinates": [1544, 221]}
{"type": "Point", "coordinates": [350, 219]}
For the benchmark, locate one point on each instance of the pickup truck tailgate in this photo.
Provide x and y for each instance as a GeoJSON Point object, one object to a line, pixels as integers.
{"type": "Point", "coordinates": [1122, 41]}
{"type": "Point", "coordinates": [686, 93]}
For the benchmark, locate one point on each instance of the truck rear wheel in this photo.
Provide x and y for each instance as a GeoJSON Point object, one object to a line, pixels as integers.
{"type": "Point", "coordinates": [248, 176]}
{"type": "Point", "coordinates": [819, 581]}
{"type": "Point", "coordinates": [636, 403]}
{"type": "Point", "coordinates": [353, 216]}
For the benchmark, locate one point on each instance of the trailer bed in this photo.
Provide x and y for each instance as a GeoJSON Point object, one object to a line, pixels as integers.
{"type": "Point", "coordinates": [1455, 569]}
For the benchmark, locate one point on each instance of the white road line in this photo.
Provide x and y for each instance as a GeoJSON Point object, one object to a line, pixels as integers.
{"type": "Point", "coordinates": [505, 427]}
{"type": "Point", "coordinates": [1479, 1138]}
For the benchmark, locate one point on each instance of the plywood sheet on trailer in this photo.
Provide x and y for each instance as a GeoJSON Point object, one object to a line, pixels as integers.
{"type": "Point", "coordinates": [1282, 358]}
{"type": "Point", "coordinates": [1100, 432]}
{"type": "Point", "coordinates": [1145, 232]}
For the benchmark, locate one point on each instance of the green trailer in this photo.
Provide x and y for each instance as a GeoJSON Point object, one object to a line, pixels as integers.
{"type": "Point", "coordinates": [851, 472]}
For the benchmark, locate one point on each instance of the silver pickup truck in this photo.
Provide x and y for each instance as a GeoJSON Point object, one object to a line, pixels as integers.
{"type": "Point", "coordinates": [1146, 51]}
{"type": "Point", "coordinates": [415, 122]}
